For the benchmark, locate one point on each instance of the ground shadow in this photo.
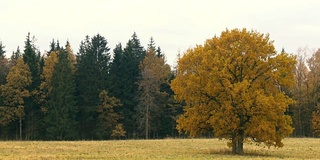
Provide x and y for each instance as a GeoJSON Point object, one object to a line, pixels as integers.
{"type": "Point", "coordinates": [247, 153]}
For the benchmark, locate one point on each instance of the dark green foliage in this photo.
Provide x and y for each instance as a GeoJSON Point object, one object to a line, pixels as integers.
{"type": "Point", "coordinates": [72, 109]}
{"type": "Point", "coordinates": [2, 51]}
{"type": "Point", "coordinates": [60, 117]}
{"type": "Point", "coordinates": [32, 58]}
{"type": "Point", "coordinates": [4, 66]}
{"type": "Point", "coordinates": [125, 73]}
{"type": "Point", "coordinates": [170, 113]}
{"type": "Point", "coordinates": [116, 69]}
{"type": "Point", "coordinates": [15, 55]}
{"type": "Point", "coordinates": [93, 61]}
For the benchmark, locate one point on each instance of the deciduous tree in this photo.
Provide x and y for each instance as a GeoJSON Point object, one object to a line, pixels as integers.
{"type": "Point", "coordinates": [107, 115]}
{"type": "Point", "coordinates": [118, 131]}
{"type": "Point", "coordinates": [301, 94]}
{"type": "Point", "coordinates": [15, 92]}
{"type": "Point", "coordinates": [316, 122]}
{"type": "Point", "coordinates": [154, 73]}
{"type": "Point", "coordinates": [232, 84]}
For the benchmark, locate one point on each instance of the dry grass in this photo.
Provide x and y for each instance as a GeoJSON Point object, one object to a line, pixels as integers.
{"type": "Point", "coordinates": [302, 148]}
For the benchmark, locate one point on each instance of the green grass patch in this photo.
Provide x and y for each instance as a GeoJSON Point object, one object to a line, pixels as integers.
{"type": "Point", "coordinates": [295, 148]}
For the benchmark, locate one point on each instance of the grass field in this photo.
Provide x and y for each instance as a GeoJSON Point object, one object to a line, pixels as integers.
{"type": "Point", "coordinates": [295, 148]}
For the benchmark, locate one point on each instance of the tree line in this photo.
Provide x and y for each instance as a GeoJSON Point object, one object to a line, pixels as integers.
{"type": "Point", "coordinates": [98, 93]}
{"type": "Point", "coordinates": [90, 95]}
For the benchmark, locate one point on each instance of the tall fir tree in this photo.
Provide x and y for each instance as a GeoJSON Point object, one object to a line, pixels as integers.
{"type": "Point", "coordinates": [93, 61]}
{"type": "Point", "coordinates": [127, 62]}
{"type": "Point", "coordinates": [2, 50]}
{"type": "Point", "coordinates": [32, 58]}
{"type": "Point", "coordinates": [61, 112]}
{"type": "Point", "coordinates": [14, 57]}
{"type": "Point", "coordinates": [4, 65]}
{"type": "Point", "coordinates": [116, 69]}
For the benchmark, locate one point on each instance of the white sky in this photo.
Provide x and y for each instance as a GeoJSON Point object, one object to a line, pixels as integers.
{"type": "Point", "coordinates": [174, 24]}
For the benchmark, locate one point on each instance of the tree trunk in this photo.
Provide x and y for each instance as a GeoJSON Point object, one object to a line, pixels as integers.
{"type": "Point", "coordinates": [237, 144]}
{"type": "Point", "coordinates": [20, 128]}
{"type": "Point", "coordinates": [147, 123]}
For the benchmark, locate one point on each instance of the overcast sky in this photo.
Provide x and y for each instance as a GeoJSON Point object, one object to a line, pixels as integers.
{"type": "Point", "coordinates": [176, 25]}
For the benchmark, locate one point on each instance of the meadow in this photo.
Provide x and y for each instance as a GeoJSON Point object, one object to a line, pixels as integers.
{"type": "Point", "coordinates": [295, 148]}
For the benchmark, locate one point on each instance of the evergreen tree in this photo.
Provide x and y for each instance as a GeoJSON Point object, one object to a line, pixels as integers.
{"type": "Point", "coordinates": [60, 118]}
{"type": "Point", "coordinates": [53, 46]}
{"type": "Point", "coordinates": [32, 59]}
{"type": "Point", "coordinates": [14, 57]}
{"type": "Point", "coordinates": [172, 109]}
{"type": "Point", "coordinates": [93, 61]}
{"type": "Point", "coordinates": [2, 51]}
{"type": "Point", "coordinates": [116, 72]}
{"type": "Point", "coordinates": [4, 66]}
{"type": "Point", "coordinates": [125, 88]}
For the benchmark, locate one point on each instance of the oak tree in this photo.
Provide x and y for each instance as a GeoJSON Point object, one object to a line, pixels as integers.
{"type": "Point", "coordinates": [232, 84]}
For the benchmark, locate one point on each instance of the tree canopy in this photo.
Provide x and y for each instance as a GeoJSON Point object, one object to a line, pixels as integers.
{"type": "Point", "coordinates": [233, 86]}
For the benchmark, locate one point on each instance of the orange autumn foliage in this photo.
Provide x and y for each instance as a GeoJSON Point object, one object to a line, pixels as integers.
{"type": "Point", "coordinates": [233, 85]}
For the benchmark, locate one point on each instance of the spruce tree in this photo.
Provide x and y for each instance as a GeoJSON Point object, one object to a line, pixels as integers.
{"type": "Point", "coordinates": [127, 63]}
{"type": "Point", "coordinates": [61, 112]}
{"type": "Point", "coordinates": [4, 66]}
{"type": "Point", "coordinates": [2, 51]}
{"type": "Point", "coordinates": [93, 61]}
{"type": "Point", "coordinates": [116, 72]}
{"type": "Point", "coordinates": [14, 57]}
{"type": "Point", "coordinates": [32, 59]}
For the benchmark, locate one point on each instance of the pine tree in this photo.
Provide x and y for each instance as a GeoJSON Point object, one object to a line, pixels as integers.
{"type": "Point", "coordinates": [93, 61]}
{"type": "Point", "coordinates": [61, 112]}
